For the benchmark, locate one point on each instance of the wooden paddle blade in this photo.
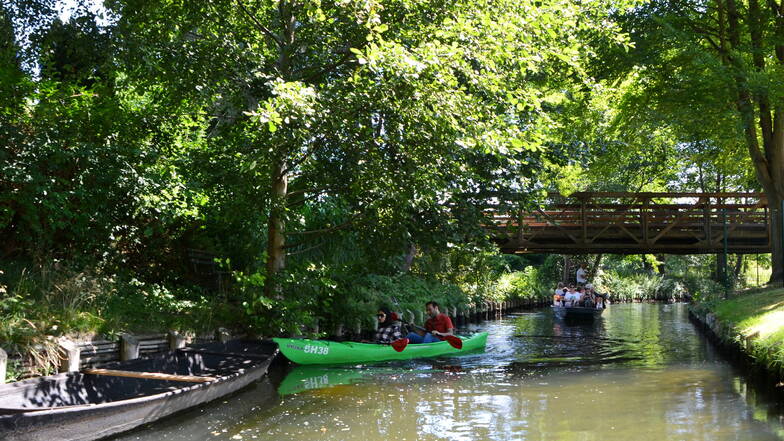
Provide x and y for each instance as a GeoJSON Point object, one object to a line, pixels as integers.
{"type": "Point", "coordinates": [399, 345]}
{"type": "Point", "coordinates": [456, 342]}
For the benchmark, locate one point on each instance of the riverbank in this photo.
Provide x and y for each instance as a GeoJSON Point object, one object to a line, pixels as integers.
{"type": "Point", "coordinates": [47, 309]}
{"type": "Point", "coordinates": [751, 324]}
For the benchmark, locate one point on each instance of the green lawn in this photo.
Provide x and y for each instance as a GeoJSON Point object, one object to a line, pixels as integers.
{"type": "Point", "coordinates": [760, 316]}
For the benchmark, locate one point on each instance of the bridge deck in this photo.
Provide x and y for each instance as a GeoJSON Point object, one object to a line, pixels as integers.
{"type": "Point", "coordinates": [635, 223]}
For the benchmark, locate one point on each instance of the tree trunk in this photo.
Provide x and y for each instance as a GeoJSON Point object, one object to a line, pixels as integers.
{"type": "Point", "coordinates": [768, 158]}
{"type": "Point", "coordinates": [567, 264]}
{"type": "Point", "coordinates": [595, 267]}
{"type": "Point", "coordinates": [408, 259]}
{"type": "Point", "coordinates": [276, 233]}
{"type": "Point", "coordinates": [738, 267]}
{"type": "Point", "coordinates": [276, 239]}
{"type": "Point", "coordinates": [777, 253]}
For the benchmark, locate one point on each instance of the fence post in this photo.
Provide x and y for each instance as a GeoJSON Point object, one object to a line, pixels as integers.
{"type": "Point", "coordinates": [3, 365]}
{"type": "Point", "coordinates": [129, 347]}
{"type": "Point", "coordinates": [72, 354]}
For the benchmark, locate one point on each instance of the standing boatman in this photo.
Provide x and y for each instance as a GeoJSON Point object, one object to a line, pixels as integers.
{"type": "Point", "coordinates": [582, 275]}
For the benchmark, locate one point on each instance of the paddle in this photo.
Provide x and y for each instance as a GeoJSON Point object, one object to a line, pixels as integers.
{"type": "Point", "coordinates": [399, 345]}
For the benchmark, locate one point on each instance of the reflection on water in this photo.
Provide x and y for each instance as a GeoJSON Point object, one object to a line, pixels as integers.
{"type": "Point", "coordinates": [641, 372]}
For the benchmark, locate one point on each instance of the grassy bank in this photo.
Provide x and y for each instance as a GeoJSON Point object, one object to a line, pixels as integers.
{"type": "Point", "coordinates": [757, 320]}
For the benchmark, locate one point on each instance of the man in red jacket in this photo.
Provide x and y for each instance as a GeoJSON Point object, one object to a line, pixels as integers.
{"type": "Point", "coordinates": [437, 326]}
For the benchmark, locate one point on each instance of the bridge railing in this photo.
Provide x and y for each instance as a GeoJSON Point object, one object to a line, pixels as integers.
{"type": "Point", "coordinates": [640, 222]}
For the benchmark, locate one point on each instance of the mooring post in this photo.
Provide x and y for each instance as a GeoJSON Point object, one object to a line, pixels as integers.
{"type": "Point", "coordinates": [223, 335]}
{"type": "Point", "coordinates": [3, 365]}
{"type": "Point", "coordinates": [176, 340]}
{"type": "Point", "coordinates": [71, 355]}
{"type": "Point", "coordinates": [129, 347]}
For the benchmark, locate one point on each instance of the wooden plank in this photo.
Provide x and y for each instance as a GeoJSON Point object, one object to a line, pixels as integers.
{"type": "Point", "coordinates": [617, 220]}
{"type": "Point", "coordinates": [149, 375]}
{"type": "Point", "coordinates": [555, 223]}
{"type": "Point", "coordinates": [225, 354]}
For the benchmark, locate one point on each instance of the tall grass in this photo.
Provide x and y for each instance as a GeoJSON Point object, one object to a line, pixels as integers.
{"type": "Point", "coordinates": [41, 303]}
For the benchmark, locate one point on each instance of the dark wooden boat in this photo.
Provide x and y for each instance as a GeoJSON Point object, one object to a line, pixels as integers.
{"type": "Point", "coordinates": [94, 404]}
{"type": "Point", "coordinates": [577, 313]}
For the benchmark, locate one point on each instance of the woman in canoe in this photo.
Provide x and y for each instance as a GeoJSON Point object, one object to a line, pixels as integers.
{"type": "Point", "coordinates": [388, 327]}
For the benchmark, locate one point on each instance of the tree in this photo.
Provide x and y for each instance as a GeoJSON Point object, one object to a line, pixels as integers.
{"type": "Point", "coordinates": [711, 69]}
{"type": "Point", "coordinates": [413, 113]}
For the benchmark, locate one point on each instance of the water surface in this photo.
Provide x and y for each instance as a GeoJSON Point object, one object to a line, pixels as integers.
{"type": "Point", "coordinates": [642, 372]}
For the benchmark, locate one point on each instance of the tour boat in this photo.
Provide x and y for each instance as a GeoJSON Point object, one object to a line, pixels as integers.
{"type": "Point", "coordinates": [577, 312]}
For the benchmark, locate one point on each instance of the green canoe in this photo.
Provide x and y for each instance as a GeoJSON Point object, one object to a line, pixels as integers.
{"type": "Point", "coordinates": [306, 351]}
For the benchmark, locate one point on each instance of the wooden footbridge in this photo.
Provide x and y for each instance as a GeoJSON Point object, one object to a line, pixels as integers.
{"type": "Point", "coordinates": [637, 223]}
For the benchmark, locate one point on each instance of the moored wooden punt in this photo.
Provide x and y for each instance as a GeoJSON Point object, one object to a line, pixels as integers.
{"type": "Point", "coordinates": [88, 406]}
{"type": "Point", "coordinates": [577, 313]}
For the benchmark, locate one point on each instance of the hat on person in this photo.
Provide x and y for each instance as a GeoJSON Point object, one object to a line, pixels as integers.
{"type": "Point", "coordinates": [588, 286]}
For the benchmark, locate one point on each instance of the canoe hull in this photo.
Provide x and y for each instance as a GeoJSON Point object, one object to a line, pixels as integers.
{"type": "Point", "coordinates": [306, 351]}
{"type": "Point", "coordinates": [91, 422]}
{"type": "Point", "coordinates": [577, 313]}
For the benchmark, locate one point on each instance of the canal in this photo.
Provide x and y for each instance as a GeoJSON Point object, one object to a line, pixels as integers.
{"type": "Point", "coordinates": [642, 372]}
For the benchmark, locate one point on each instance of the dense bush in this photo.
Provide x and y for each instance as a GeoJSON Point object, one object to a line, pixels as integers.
{"type": "Point", "coordinates": [642, 286]}
{"type": "Point", "coordinates": [333, 297]}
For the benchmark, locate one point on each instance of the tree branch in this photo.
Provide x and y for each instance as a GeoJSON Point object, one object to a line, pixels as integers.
{"type": "Point", "coordinates": [258, 24]}
{"type": "Point", "coordinates": [327, 69]}
{"type": "Point", "coordinates": [303, 200]}
{"type": "Point", "coordinates": [326, 230]}
{"type": "Point", "coordinates": [310, 248]}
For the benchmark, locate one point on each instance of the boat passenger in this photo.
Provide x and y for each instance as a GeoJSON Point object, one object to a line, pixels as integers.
{"type": "Point", "coordinates": [599, 299]}
{"type": "Point", "coordinates": [388, 327]}
{"type": "Point", "coordinates": [559, 295]}
{"type": "Point", "coordinates": [436, 326]}
{"type": "Point", "coordinates": [586, 300]}
{"type": "Point", "coordinates": [572, 297]}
